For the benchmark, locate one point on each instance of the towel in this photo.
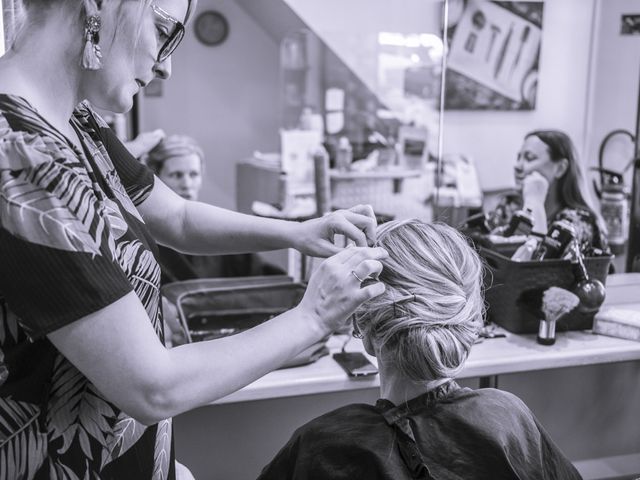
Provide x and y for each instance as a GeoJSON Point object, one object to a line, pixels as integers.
{"type": "Point", "coordinates": [618, 322]}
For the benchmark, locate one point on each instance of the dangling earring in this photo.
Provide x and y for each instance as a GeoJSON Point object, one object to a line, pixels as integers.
{"type": "Point", "coordinates": [91, 54]}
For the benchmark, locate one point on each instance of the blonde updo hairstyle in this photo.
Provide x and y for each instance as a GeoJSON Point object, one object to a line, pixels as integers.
{"type": "Point", "coordinates": [430, 314]}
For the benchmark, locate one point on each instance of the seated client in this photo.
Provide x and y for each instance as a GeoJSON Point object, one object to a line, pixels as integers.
{"type": "Point", "coordinates": [424, 426]}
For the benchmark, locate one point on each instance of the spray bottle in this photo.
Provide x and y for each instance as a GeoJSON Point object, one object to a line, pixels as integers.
{"type": "Point", "coordinates": [344, 155]}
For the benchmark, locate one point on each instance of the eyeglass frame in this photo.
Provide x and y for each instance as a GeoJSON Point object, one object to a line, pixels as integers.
{"type": "Point", "coordinates": [178, 31]}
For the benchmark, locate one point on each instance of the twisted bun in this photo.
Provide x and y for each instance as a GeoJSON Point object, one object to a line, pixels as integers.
{"type": "Point", "coordinates": [431, 312]}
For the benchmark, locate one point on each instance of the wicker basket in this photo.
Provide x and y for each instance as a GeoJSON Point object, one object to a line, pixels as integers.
{"type": "Point", "coordinates": [514, 290]}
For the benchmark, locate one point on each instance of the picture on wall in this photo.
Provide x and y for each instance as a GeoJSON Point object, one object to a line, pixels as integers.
{"type": "Point", "coordinates": [493, 55]}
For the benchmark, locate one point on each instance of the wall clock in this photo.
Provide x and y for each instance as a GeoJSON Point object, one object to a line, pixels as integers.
{"type": "Point", "coordinates": [211, 27]}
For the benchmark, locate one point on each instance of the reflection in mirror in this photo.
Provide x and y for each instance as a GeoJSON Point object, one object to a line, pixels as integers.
{"type": "Point", "coordinates": [9, 12]}
{"type": "Point", "coordinates": [612, 123]}
{"type": "Point", "coordinates": [376, 85]}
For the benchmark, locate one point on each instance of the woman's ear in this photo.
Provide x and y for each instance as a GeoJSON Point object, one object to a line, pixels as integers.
{"type": "Point", "coordinates": [561, 167]}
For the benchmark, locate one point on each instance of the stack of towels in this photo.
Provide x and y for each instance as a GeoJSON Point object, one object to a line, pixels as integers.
{"type": "Point", "coordinates": [618, 322]}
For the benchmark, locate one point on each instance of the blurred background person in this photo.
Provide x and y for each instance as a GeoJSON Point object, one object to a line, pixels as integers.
{"type": "Point", "coordinates": [178, 161]}
{"type": "Point", "coordinates": [551, 183]}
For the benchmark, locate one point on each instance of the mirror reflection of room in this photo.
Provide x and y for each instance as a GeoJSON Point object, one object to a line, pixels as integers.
{"type": "Point", "coordinates": [491, 147]}
{"type": "Point", "coordinates": [363, 103]}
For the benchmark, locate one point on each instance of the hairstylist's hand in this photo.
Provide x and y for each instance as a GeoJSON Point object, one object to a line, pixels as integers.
{"type": "Point", "coordinates": [315, 237]}
{"type": "Point", "coordinates": [335, 291]}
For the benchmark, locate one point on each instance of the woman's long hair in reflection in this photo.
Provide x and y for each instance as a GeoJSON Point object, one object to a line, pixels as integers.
{"type": "Point", "coordinates": [572, 185]}
{"type": "Point", "coordinates": [430, 314]}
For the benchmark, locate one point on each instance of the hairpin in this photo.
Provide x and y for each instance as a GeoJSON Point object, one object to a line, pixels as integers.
{"type": "Point", "coordinates": [411, 297]}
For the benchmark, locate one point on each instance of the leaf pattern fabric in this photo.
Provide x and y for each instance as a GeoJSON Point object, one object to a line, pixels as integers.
{"type": "Point", "coordinates": [71, 241]}
{"type": "Point", "coordinates": [52, 207]}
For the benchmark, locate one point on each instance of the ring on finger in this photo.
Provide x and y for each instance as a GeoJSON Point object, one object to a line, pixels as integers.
{"type": "Point", "coordinates": [353, 272]}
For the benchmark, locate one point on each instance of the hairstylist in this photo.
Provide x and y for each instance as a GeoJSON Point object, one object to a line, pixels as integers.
{"type": "Point", "coordinates": [87, 388]}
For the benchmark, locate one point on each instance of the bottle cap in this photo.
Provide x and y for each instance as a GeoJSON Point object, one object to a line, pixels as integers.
{"type": "Point", "coordinates": [344, 143]}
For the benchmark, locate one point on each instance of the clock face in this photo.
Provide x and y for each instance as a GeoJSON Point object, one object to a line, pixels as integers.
{"type": "Point", "coordinates": [211, 27]}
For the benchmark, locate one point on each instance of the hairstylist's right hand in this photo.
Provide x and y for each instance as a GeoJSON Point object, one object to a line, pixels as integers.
{"type": "Point", "coordinates": [335, 290]}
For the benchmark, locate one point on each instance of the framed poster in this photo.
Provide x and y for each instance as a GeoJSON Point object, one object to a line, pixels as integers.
{"type": "Point", "coordinates": [494, 55]}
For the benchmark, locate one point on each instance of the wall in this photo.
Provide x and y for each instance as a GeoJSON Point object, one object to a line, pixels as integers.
{"type": "Point", "coordinates": [226, 97]}
{"type": "Point", "coordinates": [615, 78]}
{"type": "Point", "coordinates": [494, 138]}
{"type": "Point", "coordinates": [491, 138]}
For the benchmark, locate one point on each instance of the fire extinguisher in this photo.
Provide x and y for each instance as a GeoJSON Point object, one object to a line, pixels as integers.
{"type": "Point", "coordinates": [614, 206]}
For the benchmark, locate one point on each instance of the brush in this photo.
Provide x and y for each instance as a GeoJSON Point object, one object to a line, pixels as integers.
{"type": "Point", "coordinates": [556, 303]}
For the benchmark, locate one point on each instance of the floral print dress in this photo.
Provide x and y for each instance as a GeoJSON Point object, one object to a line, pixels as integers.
{"type": "Point", "coordinates": [71, 242]}
{"type": "Point", "coordinates": [590, 237]}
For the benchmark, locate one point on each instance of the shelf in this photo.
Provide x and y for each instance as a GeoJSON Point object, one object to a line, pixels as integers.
{"type": "Point", "coordinates": [374, 174]}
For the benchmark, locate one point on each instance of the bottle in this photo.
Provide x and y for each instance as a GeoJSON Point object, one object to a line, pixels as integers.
{"type": "Point", "coordinates": [306, 118]}
{"type": "Point", "coordinates": [555, 241]}
{"type": "Point", "coordinates": [521, 223]}
{"type": "Point", "coordinates": [477, 222]}
{"type": "Point", "coordinates": [614, 209]}
{"type": "Point", "coordinates": [321, 176]}
{"type": "Point", "coordinates": [524, 253]}
{"type": "Point", "coordinates": [344, 155]}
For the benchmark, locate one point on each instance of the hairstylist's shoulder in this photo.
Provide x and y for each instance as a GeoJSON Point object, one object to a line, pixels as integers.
{"type": "Point", "coordinates": [137, 179]}
{"type": "Point", "coordinates": [26, 140]}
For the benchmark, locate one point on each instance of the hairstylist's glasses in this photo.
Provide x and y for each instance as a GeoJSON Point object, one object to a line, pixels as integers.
{"type": "Point", "coordinates": [173, 39]}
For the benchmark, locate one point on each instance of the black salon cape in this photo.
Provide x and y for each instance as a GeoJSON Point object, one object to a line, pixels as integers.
{"type": "Point", "coordinates": [451, 433]}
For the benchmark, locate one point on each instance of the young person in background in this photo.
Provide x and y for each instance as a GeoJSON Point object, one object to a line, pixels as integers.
{"type": "Point", "coordinates": [178, 161]}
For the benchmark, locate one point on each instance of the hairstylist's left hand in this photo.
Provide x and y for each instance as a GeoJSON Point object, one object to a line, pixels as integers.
{"type": "Point", "coordinates": [315, 237]}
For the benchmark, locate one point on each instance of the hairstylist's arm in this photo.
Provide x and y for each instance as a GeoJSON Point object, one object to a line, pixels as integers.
{"type": "Point", "coordinates": [534, 193]}
{"type": "Point", "coordinates": [118, 350]}
{"type": "Point", "coordinates": [198, 228]}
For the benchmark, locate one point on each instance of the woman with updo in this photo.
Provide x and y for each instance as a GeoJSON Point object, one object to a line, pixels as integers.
{"type": "Point", "coordinates": [424, 426]}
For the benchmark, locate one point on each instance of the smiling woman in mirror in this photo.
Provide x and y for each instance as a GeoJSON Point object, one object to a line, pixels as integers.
{"type": "Point", "coordinates": [551, 184]}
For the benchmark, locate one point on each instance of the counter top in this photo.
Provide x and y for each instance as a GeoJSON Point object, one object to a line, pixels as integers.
{"type": "Point", "coordinates": [511, 354]}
